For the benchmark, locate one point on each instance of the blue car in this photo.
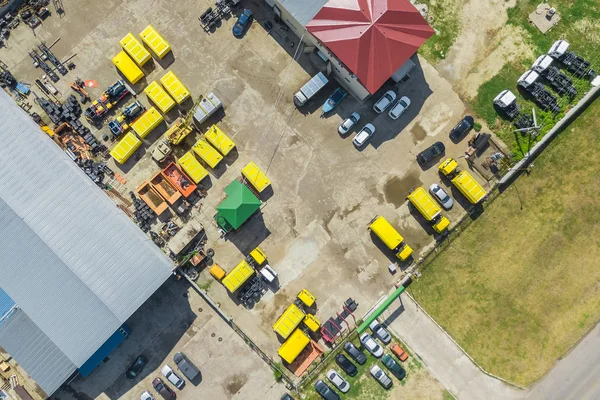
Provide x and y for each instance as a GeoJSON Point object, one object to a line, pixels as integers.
{"type": "Point", "coordinates": [242, 23]}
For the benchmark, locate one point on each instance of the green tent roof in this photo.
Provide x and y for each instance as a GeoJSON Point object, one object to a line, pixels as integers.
{"type": "Point", "coordinates": [239, 205]}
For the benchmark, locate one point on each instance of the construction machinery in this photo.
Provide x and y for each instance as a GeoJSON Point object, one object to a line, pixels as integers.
{"type": "Point", "coordinates": [78, 86]}
{"type": "Point", "coordinates": [542, 97]}
{"type": "Point", "coordinates": [575, 64]}
{"type": "Point", "coordinates": [107, 100]}
{"type": "Point", "coordinates": [161, 151]}
{"type": "Point", "coordinates": [557, 80]}
{"type": "Point", "coordinates": [126, 117]}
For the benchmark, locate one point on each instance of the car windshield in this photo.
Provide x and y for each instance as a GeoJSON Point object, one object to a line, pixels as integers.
{"type": "Point", "coordinates": [388, 96]}
{"type": "Point", "coordinates": [367, 131]}
{"type": "Point", "coordinates": [404, 105]}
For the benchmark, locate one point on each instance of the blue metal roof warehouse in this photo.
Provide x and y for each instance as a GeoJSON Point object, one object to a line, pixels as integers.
{"type": "Point", "coordinates": [74, 264]}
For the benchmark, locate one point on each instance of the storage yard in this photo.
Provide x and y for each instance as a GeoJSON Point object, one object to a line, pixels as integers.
{"type": "Point", "coordinates": [263, 204]}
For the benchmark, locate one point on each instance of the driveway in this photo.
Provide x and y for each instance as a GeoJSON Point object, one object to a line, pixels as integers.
{"type": "Point", "coordinates": [573, 377]}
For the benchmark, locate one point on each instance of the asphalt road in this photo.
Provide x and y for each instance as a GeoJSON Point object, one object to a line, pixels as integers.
{"type": "Point", "coordinates": [577, 376]}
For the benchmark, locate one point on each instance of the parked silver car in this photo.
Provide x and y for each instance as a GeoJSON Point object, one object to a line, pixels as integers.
{"type": "Point", "coordinates": [185, 366]}
{"type": "Point", "coordinates": [381, 377]}
{"type": "Point", "coordinates": [441, 196]}
{"type": "Point", "coordinates": [337, 380]}
{"type": "Point", "coordinates": [384, 102]}
{"type": "Point", "coordinates": [399, 108]}
{"type": "Point", "coordinates": [380, 332]}
{"type": "Point", "coordinates": [172, 377]}
{"type": "Point", "coordinates": [349, 123]}
{"type": "Point", "coordinates": [364, 135]}
{"type": "Point", "coordinates": [371, 345]}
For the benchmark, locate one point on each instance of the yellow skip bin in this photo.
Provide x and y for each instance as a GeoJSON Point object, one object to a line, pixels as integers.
{"type": "Point", "coordinates": [192, 167]}
{"type": "Point", "coordinates": [135, 49]}
{"type": "Point", "coordinates": [125, 148]}
{"type": "Point", "coordinates": [157, 94]}
{"type": "Point", "coordinates": [127, 67]}
{"type": "Point", "coordinates": [155, 41]}
{"type": "Point", "coordinates": [174, 86]}
{"type": "Point", "coordinates": [255, 176]}
{"type": "Point", "coordinates": [219, 140]}
{"type": "Point", "coordinates": [147, 122]}
{"type": "Point", "coordinates": [207, 153]}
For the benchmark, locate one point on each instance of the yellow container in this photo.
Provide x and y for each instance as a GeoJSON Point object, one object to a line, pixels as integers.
{"type": "Point", "coordinates": [175, 88]}
{"type": "Point", "coordinates": [192, 167]}
{"type": "Point", "coordinates": [125, 148]}
{"type": "Point", "coordinates": [255, 176]}
{"type": "Point", "coordinates": [307, 298]}
{"type": "Point", "coordinates": [155, 41]}
{"type": "Point", "coordinates": [157, 94]}
{"type": "Point", "coordinates": [292, 347]}
{"type": "Point", "coordinates": [238, 276]}
{"type": "Point", "coordinates": [217, 272]}
{"type": "Point", "coordinates": [135, 49]}
{"type": "Point", "coordinates": [288, 321]}
{"type": "Point", "coordinates": [147, 122]}
{"type": "Point", "coordinates": [312, 322]}
{"type": "Point", "coordinates": [219, 140]}
{"type": "Point", "coordinates": [207, 153]}
{"type": "Point", "coordinates": [127, 67]}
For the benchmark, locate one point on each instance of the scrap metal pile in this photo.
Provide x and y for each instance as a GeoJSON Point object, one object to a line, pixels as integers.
{"type": "Point", "coordinates": [143, 214]}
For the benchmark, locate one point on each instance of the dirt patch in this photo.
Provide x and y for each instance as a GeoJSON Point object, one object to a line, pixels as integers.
{"type": "Point", "coordinates": [236, 383]}
{"type": "Point", "coordinates": [483, 46]}
{"type": "Point", "coordinates": [418, 133]}
{"type": "Point", "coordinates": [396, 188]}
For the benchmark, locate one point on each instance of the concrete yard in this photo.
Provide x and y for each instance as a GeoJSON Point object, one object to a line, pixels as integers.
{"type": "Point", "coordinates": [313, 224]}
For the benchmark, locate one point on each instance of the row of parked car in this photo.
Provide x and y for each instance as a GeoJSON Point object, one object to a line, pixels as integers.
{"type": "Point", "coordinates": [381, 105]}
{"type": "Point", "coordinates": [369, 343]}
{"type": "Point", "coordinates": [187, 368]}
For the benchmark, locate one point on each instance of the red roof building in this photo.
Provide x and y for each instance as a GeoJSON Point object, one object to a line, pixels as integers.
{"type": "Point", "coordinates": [372, 38]}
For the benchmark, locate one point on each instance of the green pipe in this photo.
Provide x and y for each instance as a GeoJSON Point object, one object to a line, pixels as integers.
{"type": "Point", "coordinates": [391, 298]}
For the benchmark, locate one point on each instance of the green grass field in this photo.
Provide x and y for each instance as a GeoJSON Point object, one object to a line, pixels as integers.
{"type": "Point", "coordinates": [446, 22]}
{"type": "Point", "coordinates": [580, 26]}
{"type": "Point", "coordinates": [521, 285]}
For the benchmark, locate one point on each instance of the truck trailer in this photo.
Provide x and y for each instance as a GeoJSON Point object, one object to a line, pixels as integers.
{"type": "Point", "coordinates": [310, 89]}
{"type": "Point", "coordinates": [428, 208]}
{"type": "Point", "coordinates": [463, 181]}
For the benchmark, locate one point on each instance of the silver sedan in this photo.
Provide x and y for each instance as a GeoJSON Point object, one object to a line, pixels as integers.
{"type": "Point", "coordinates": [441, 196]}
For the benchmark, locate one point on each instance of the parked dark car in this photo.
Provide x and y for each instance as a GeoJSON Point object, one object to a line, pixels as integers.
{"type": "Point", "coordinates": [242, 23]}
{"type": "Point", "coordinates": [137, 367]}
{"type": "Point", "coordinates": [355, 353]}
{"type": "Point", "coordinates": [346, 365]}
{"type": "Point", "coordinates": [286, 397]}
{"type": "Point", "coordinates": [163, 390]}
{"type": "Point", "coordinates": [431, 153]}
{"type": "Point", "coordinates": [462, 128]}
{"type": "Point", "coordinates": [393, 366]}
{"type": "Point", "coordinates": [325, 391]}
{"type": "Point", "coordinates": [185, 366]}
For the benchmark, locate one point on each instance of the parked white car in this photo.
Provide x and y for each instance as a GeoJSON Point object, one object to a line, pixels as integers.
{"type": "Point", "coordinates": [337, 380]}
{"type": "Point", "coordinates": [441, 196]}
{"type": "Point", "coordinates": [172, 377]}
{"type": "Point", "coordinates": [384, 102]}
{"type": "Point", "coordinates": [380, 332]}
{"type": "Point", "coordinates": [399, 108]}
{"type": "Point", "coordinates": [381, 376]}
{"type": "Point", "coordinates": [349, 123]}
{"type": "Point", "coordinates": [146, 396]}
{"type": "Point", "coordinates": [371, 345]}
{"type": "Point", "coordinates": [363, 135]}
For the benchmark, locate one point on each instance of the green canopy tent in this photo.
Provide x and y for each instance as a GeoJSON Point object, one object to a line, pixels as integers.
{"type": "Point", "coordinates": [239, 205]}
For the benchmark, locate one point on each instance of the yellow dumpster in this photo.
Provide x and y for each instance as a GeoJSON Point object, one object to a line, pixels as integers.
{"type": "Point", "coordinates": [192, 167]}
{"type": "Point", "coordinates": [125, 148]}
{"type": "Point", "coordinates": [147, 122]}
{"type": "Point", "coordinates": [135, 49]}
{"type": "Point", "coordinates": [155, 41]}
{"type": "Point", "coordinates": [288, 321]}
{"type": "Point", "coordinates": [219, 140]}
{"type": "Point", "coordinates": [157, 94]}
{"type": "Point", "coordinates": [255, 176]}
{"type": "Point", "coordinates": [128, 68]}
{"type": "Point", "coordinates": [293, 346]}
{"type": "Point", "coordinates": [174, 86]}
{"type": "Point", "coordinates": [207, 153]}
{"type": "Point", "coordinates": [238, 276]}
{"type": "Point", "coordinates": [259, 256]}
{"type": "Point", "coordinates": [306, 298]}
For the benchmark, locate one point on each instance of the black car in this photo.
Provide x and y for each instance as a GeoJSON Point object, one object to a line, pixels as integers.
{"type": "Point", "coordinates": [462, 128]}
{"type": "Point", "coordinates": [163, 390]}
{"type": "Point", "coordinates": [346, 365]}
{"type": "Point", "coordinates": [325, 391]}
{"type": "Point", "coordinates": [355, 353]}
{"type": "Point", "coordinates": [137, 367]}
{"type": "Point", "coordinates": [393, 366]}
{"type": "Point", "coordinates": [431, 153]}
{"type": "Point", "coordinates": [286, 397]}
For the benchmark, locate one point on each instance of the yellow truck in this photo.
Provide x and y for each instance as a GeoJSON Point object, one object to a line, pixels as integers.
{"type": "Point", "coordinates": [219, 140]}
{"type": "Point", "coordinates": [192, 167]}
{"type": "Point", "coordinates": [293, 346]}
{"type": "Point", "coordinates": [428, 208]}
{"type": "Point", "coordinates": [128, 68]}
{"type": "Point", "coordinates": [207, 153]}
{"type": "Point", "coordinates": [135, 49]}
{"type": "Point", "coordinates": [390, 237]}
{"type": "Point", "coordinates": [463, 181]}
{"type": "Point", "coordinates": [255, 176]}
{"type": "Point", "coordinates": [288, 321]}
{"type": "Point", "coordinates": [147, 122]}
{"type": "Point", "coordinates": [157, 94]}
{"type": "Point", "coordinates": [175, 88]}
{"type": "Point", "coordinates": [238, 276]}
{"type": "Point", "coordinates": [155, 41]}
{"type": "Point", "coordinates": [125, 148]}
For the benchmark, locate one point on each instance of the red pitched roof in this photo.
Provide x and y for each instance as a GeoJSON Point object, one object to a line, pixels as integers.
{"type": "Point", "coordinates": [373, 38]}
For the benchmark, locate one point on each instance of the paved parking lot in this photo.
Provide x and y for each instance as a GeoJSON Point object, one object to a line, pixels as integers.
{"type": "Point", "coordinates": [324, 191]}
{"type": "Point", "coordinates": [176, 319]}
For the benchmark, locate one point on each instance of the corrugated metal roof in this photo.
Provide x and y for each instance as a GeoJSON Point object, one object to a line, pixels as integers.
{"type": "Point", "coordinates": [71, 260]}
{"type": "Point", "coordinates": [41, 358]}
{"type": "Point", "coordinates": [302, 10]}
{"type": "Point", "coordinates": [6, 304]}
